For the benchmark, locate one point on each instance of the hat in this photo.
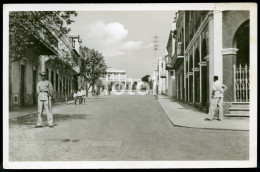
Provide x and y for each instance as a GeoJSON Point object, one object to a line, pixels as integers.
{"type": "Point", "coordinates": [43, 73]}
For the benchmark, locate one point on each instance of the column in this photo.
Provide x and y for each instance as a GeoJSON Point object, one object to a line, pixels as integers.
{"type": "Point", "coordinates": [58, 83]}
{"type": "Point", "coordinates": [200, 72]}
{"type": "Point", "coordinates": [211, 54]}
{"type": "Point", "coordinates": [215, 47]}
{"type": "Point", "coordinates": [188, 77]}
{"type": "Point", "coordinates": [184, 77]}
{"type": "Point", "coordinates": [177, 84]}
{"type": "Point", "coordinates": [113, 77]}
{"type": "Point", "coordinates": [193, 78]}
{"type": "Point", "coordinates": [229, 56]}
{"type": "Point", "coordinates": [119, 77]}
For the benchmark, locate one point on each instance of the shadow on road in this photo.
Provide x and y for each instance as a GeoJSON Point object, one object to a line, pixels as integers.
{"type": "Point", "coordinates": [31, 120]}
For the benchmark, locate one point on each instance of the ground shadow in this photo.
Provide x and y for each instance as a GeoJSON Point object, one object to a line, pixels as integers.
{"type": "Point", "coordinates": [32, 119]}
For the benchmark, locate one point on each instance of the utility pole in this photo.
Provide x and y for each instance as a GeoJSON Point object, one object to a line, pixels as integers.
{"type": "Point", "coordinates": [155, 89]}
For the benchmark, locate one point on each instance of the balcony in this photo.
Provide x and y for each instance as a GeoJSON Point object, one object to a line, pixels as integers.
{"type": "Point", "coordinates": [168, 65]}
{"type": "Point", "coordinates": [180, 49]}
{"type": "Point", "coordinates": [178, 56]}
{"type": "Point", "coordinates": [47, 39]}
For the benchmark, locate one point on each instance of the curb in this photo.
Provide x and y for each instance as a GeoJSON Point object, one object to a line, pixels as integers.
{"type": "Point", "coordinates": [35, 112]}
{"type": "Point", "coordinates": [183, 126]}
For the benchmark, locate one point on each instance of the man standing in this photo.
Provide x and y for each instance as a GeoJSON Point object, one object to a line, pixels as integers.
{"type": "Point", "coordinates": [79, 96]}
{"type": "Point", "coordinates": [216, 104]}
{"type": "Point", "coordinates": [83, 94]}
{"type": "Point", "coordinates": [45, 92]}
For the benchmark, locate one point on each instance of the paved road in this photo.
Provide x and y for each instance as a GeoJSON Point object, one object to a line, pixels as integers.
{"type": "Point", "coordinates": [120, 128]}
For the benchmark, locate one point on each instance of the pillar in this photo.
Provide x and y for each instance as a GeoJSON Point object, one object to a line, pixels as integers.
{"type": "Point", "coordinates": [200, 71]}
{"type": "Point", "coordinates": [229, 59]}
{"type": "Point", "coordinates": [113, 77]}
{"type": "Point", "coordinates": [193, 78]}
{"type": "Point", "coordinates": [215, 48]}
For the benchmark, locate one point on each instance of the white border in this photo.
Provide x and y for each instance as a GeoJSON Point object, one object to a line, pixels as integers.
{"type": "Point", "coordinates": [252, 162]}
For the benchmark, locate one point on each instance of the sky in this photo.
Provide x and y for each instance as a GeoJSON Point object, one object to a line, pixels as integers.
{"type": "Point", "coordinates": [125, 38]}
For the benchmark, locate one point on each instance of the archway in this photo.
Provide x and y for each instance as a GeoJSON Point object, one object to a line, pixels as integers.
{"type": "Point", "coordinates": [242, 62]}
{"type": "Point", "coordinates": [241, 42]}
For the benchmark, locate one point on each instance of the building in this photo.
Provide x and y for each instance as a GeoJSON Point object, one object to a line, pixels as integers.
{"type": "Point", "coordinates": [112, 76]}
{"type": "Point", "coordinates": [210, 43]}
{"type": "Point", "coordinates": [162, 75]}
{"type": "Point", "coordinates": [24, 73]}
{"type": "Point", "coordinates": [115, 75]}
{"type": "Point", "coordinates": [172, 92]}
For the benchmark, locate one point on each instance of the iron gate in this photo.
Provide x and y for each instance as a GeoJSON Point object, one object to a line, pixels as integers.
{"type": "Point", "coordinates": [241, 83]}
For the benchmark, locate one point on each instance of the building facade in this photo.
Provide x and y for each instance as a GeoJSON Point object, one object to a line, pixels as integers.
{"type": "Point", "coordinates": [212, 43]}
{"type": "Point", "coordinates": [24, 73]}
{"type": "Point", "coordinates": [162, 74]}
{"type": "Point", "coordinates": [172, 92]}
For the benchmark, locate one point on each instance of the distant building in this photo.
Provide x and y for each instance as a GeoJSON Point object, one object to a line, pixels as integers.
{"type": "Point", "coordinates": [162, 75]}
{"type": "Point", "coordinates": [114, 75]}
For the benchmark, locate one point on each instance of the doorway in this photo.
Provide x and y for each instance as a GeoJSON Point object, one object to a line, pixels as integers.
{"type": "Point", "coordinates": [34, 88]}
{"type": "Point", "coordinates": [22, 86]}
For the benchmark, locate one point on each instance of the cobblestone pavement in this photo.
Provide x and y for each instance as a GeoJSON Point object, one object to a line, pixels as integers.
{"type": "Point", "coordinates": [130, 128]}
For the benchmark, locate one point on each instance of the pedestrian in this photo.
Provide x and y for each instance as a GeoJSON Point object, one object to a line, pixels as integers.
{"type": "Point", "coordinates": [83, 94]}
{"type": "Point", "coordinates": [216, 104]}
{"type": "Point", "coordinates": [75, 96]}
{"type": "Point", "coordinates": [98, 91]}
{"type": "Point", "coordinates": [79, 96]}
{"type": "Point", "coordinates": [45, 93]}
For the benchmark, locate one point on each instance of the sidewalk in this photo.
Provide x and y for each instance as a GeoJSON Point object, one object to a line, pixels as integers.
{"type": "Point", "coordinates": [184, 115]}
{"type": "Point", "coordinates": [23, 111]}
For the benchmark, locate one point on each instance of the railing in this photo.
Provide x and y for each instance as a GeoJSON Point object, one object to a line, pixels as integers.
{"type": "Point", "coordinates": [241, 84]}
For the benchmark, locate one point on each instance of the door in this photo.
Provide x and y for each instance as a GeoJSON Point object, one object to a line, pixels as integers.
{"type": "Point", "coordinates": [34, 88]}
{"type": "Point", "coordinates": [22, 86]}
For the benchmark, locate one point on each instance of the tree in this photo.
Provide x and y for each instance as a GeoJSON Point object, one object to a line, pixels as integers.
{"type": "Point", "coordinates": [92, 67]}
{"type": "Point", "coordinates": [145, 78]}
{"type": "Point", "coordinates": [25, 26]}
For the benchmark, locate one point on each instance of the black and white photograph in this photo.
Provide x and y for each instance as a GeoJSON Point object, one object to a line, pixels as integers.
{"type": "Point", "coordinates": [130, 85]}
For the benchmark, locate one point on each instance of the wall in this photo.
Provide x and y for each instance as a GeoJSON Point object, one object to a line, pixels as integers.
{"type": "Point", "coordinates": [231, 21]}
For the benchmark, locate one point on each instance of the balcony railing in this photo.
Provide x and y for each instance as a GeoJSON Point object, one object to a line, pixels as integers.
{"type": "Point", "coordinates": [180, 49]}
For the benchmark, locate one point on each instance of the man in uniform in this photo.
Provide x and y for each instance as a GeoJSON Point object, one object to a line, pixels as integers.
{"type": "Point", "coordinates": [216, 104]}
{"type": "Point", "coordinates": [44, 91]}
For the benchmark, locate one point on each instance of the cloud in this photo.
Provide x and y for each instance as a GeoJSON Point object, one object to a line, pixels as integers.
{"type": "Point", "coordinates": [109, 39]}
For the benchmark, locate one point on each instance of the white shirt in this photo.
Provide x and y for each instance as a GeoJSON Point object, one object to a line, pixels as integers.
{"type": "Point", "coordinates": [217, 87]}
{"type": "Point", "coordinates": [75, 95]}
{"type": "Point", "coordinates": [79, 93]}
{"type": "Point", "coordinates": [83, 92]}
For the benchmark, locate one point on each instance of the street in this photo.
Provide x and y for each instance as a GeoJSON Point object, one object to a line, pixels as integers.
{"type": "Point", "coordinates": [126, 128]}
